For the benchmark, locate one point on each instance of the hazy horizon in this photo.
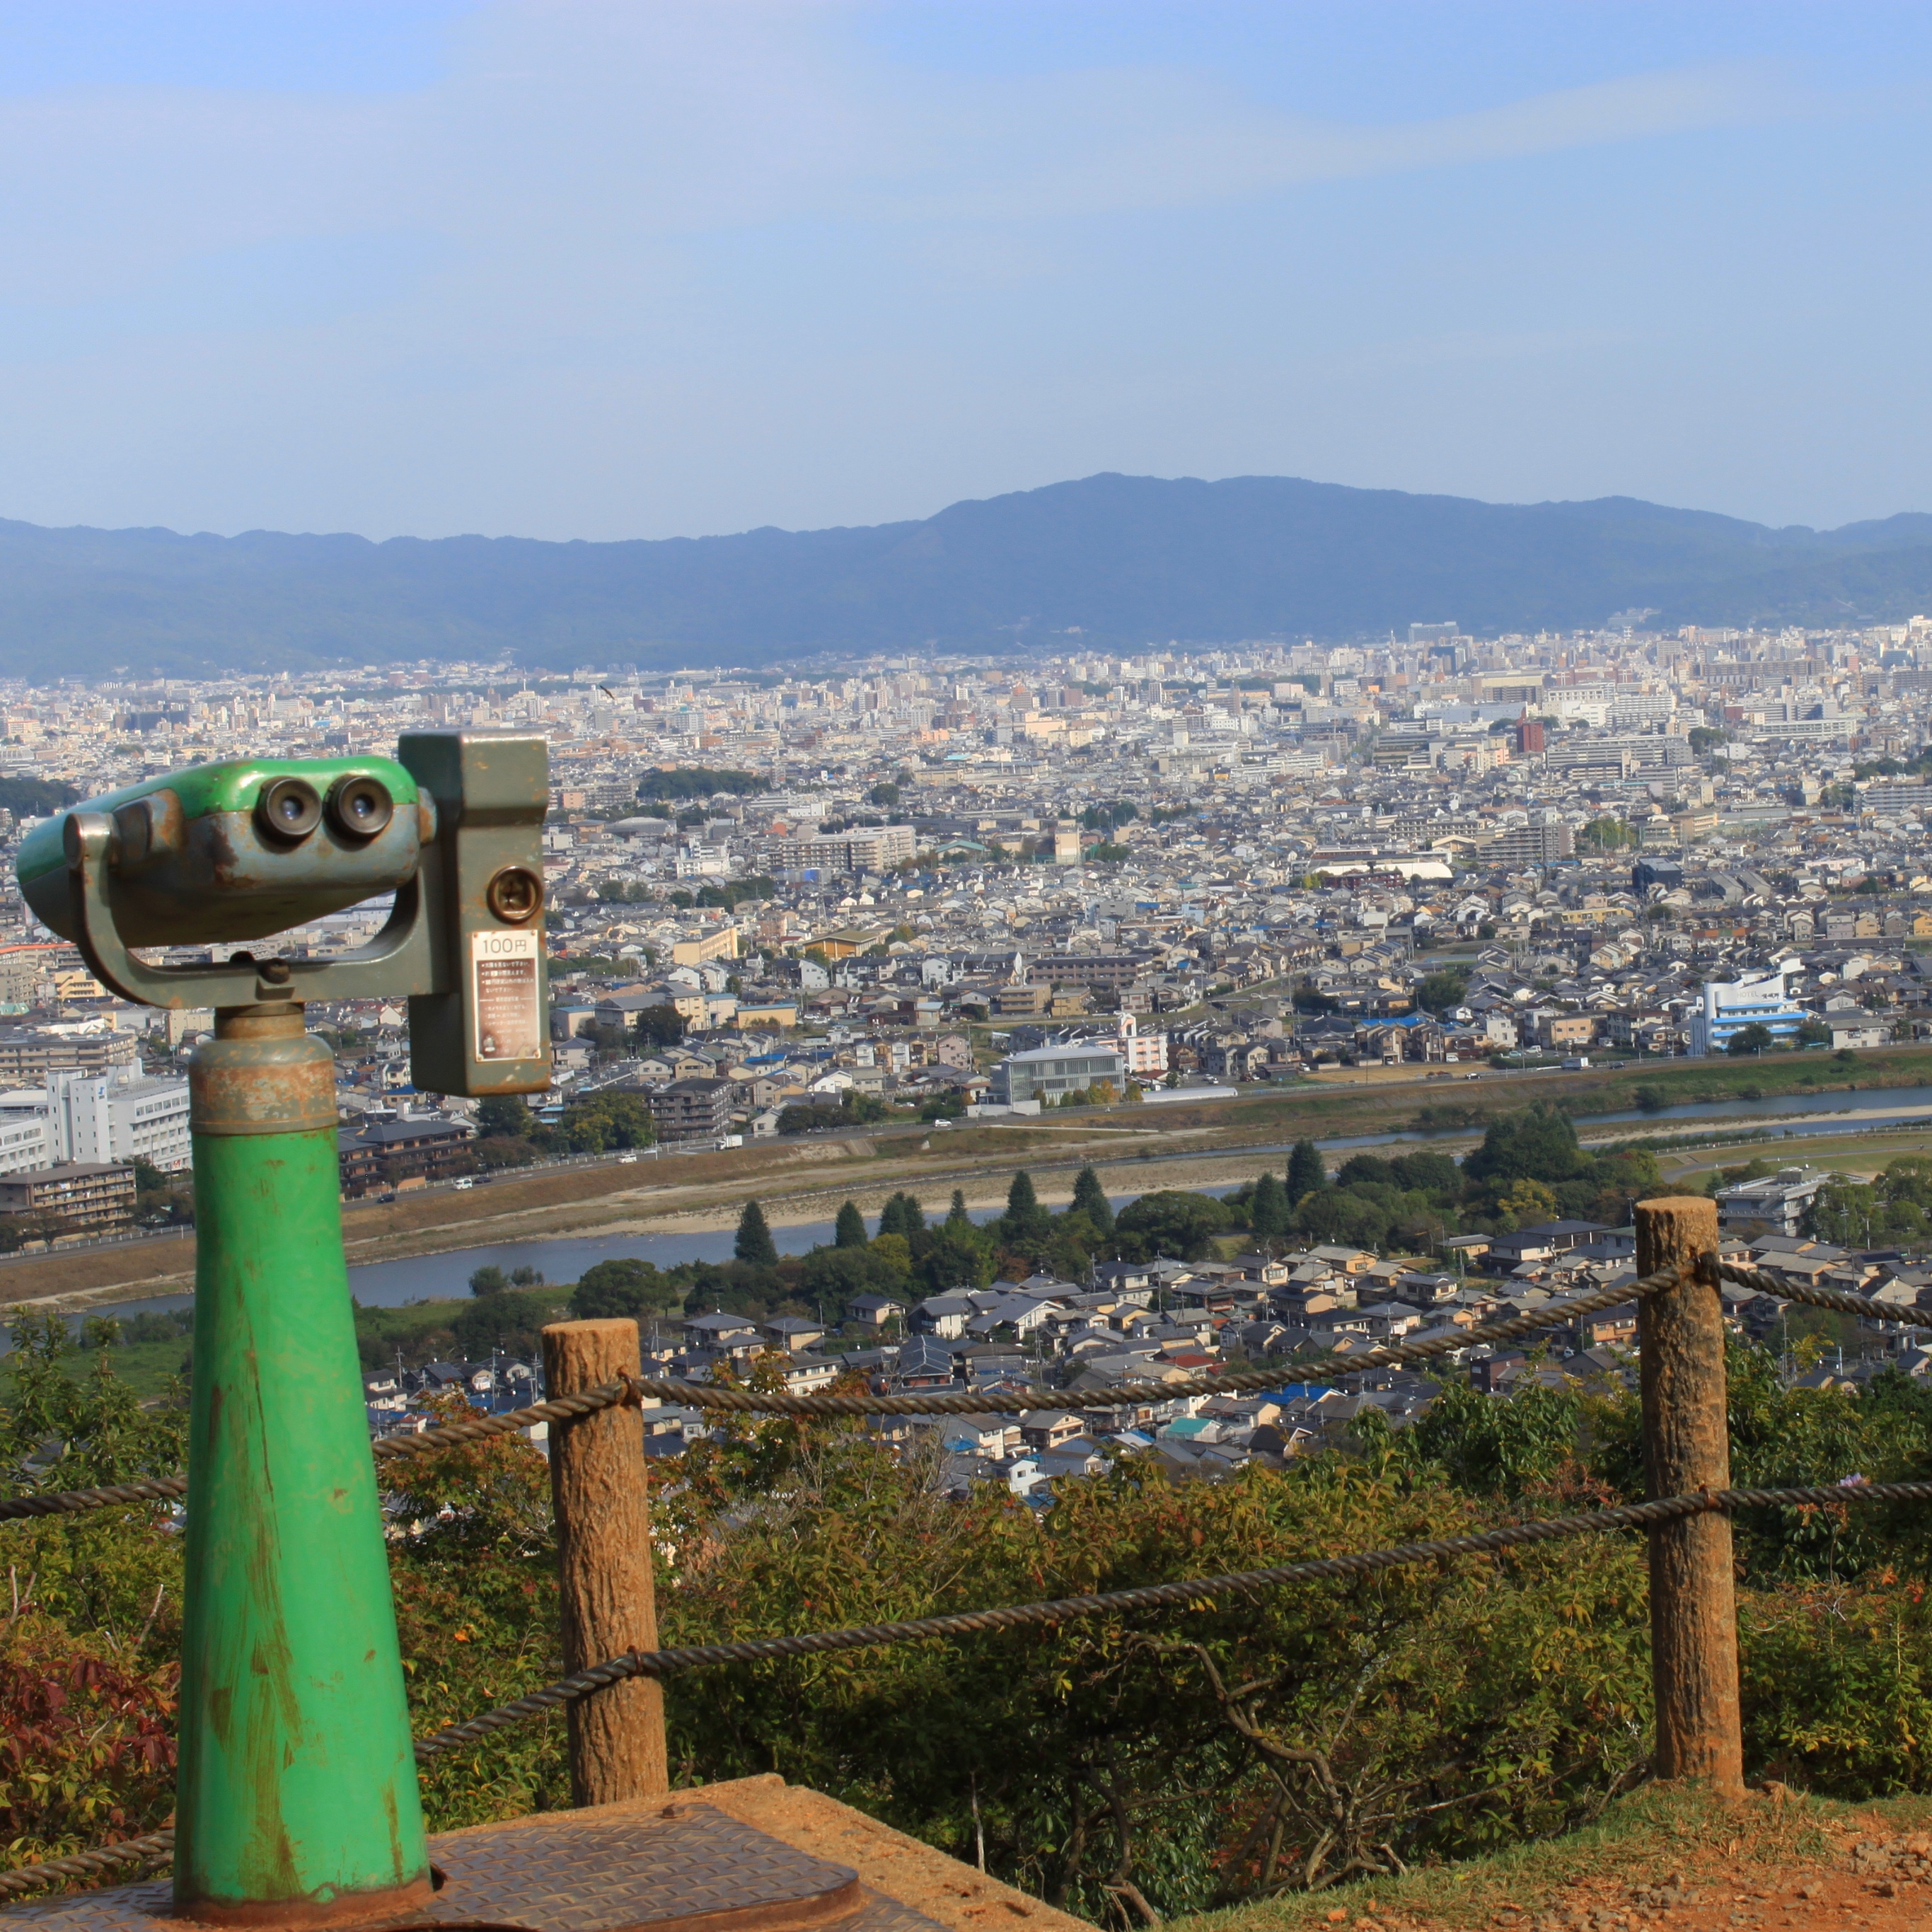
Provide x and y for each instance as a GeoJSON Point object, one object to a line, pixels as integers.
{"type": "Point", "coordinates": [1705, 509]}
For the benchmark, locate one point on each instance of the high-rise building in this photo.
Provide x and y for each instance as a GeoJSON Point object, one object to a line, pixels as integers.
{"type": "Point", "coordinates": [96, 1118]}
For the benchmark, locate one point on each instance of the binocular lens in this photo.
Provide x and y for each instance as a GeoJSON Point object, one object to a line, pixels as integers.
{"type": "Point", "coordinates": [360, 808]}
{"type": "Point", "coordinates": [288, 809]}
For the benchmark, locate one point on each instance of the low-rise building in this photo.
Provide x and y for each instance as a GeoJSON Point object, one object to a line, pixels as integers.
{"type": "Point", "coordinates": [28, 1055]}
{"type": "Point", "coordinates": [693, 1109]}
{"type": "Point", "coordinates": [1776, 1203]}
{"type": "Point", "coordinates": [86, 1197]}
{"type": "Point", "coordinates": [1047, 1072]}
{"type": "Point", "coordinates": [408, 1153]}
{"type": "Point", "coordinates": [1730, 1006]}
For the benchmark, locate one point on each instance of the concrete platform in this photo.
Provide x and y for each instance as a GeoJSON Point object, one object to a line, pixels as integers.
{"type": "Point", "coordinates": [755, 1855]}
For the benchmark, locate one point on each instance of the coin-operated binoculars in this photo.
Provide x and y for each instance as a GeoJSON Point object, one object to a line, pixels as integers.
{"type": "Point", "coordinates": [296, 1794]}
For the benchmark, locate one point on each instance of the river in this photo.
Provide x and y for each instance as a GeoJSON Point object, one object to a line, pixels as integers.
{"type": "Point", "coordinates": [430, 1277]}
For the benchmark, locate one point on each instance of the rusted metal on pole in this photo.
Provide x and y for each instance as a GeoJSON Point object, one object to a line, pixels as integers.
{"type": "Point", "coordinates": [604, 1562]}
{"type": "Point", "coordinates": [1693, 1620]}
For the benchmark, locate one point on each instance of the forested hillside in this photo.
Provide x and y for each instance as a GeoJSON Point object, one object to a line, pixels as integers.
{"type": "Point", "coordinates": [1110, 560]}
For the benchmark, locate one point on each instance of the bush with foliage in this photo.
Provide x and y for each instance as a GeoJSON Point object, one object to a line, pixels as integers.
{"type": "Point", "coordinates": [1443, 990]}
{"type": "Point", "coordinates": [625, 1288]}
{"type": "Point", "coordinates": [1295, 1739]}
{"type": "Point", "coordinates": [1894, 1207]}
{"type": "Point", "coordinates": [659, 1026]}
{"type": "Point", "coordinates": [1180, 1225]}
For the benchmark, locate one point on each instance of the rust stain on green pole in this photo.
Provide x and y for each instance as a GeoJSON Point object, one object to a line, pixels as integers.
{"type": "Point", "coordinates": [297, 1787]}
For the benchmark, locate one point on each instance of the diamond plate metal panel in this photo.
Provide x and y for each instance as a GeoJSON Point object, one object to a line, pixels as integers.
{"type": "Point", "coordinates": [696, 1871]}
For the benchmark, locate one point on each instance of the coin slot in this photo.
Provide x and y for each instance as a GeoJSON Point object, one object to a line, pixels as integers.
{"type": "Point", "coordinates": [514, 895]}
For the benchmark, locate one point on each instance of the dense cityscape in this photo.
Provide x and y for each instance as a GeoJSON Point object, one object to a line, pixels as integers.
{"type": "Point", "coordinates": [926, 892]}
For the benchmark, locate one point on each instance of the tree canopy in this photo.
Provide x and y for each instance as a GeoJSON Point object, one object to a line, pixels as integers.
{"type": "Point", "coordinates": [1170, 1223]}
{"type": "Point", "coordinates": [699, 781]}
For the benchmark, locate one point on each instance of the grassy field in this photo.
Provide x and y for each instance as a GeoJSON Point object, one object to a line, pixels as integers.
{"type": "Point", "coordinates": [1854, 1153]}
{"type": "Point", "coordinates": [150, 1368]}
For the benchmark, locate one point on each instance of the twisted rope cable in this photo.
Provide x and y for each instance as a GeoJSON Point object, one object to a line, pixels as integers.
{"type": "Point", "coordinates": [637, 1390]}
{"type": "Point", "coordinates": [448, 1436]}
{"type": "Point", "coordinates": [86, 1864]}
{"type": "Point", "coordinates": [1124, 1395]}
{"type": "Point", "coordinates": [660, 1664]}
{"type": "Point", "coordinates": [58, 1502]}
{"type": "Point", "coordinates": [1845, 1302]}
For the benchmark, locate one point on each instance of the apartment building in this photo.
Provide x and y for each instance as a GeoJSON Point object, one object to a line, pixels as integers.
{"type": "Point", "coordinates": [86, 1197]}
{"type": "Point", "coordinates": [383, 1154]}
{"type": "Point", "coordinates": [28, 1055]}
{"type": "Point", "coordinates": [693, 1109]}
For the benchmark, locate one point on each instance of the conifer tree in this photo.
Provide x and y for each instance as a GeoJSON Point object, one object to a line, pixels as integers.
{"type": "Point", "coordinates": [1306, 1171]}
{"type": "Point", "coordinates": [1090, 1198]}
{"type": "Point", "coordinates": [1026, 1224]}
{"type": "Point", "coordinates": [755, 1246]}
{"type": "Point", "coordinates": [849, 1230]}
{"type": "Point", "coordinates": [1268, 1209]}
{"type": "Point", "coordinates": [901, 1215]}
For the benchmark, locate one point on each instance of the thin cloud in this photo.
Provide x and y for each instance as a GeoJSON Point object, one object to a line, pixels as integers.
{"type": "Point", "coordinates": [1139, 139]}
{"type": "Point", "coordinates": [560, 131]}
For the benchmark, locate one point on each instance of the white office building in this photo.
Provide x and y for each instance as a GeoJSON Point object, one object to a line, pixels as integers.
{"type": "Point", "coordinates": [1731, 1005]}
{"type": "Point", "coordinates": [1049, 1073]}
{"type": "Point", "coordinates": [1775, 1204]}
{"type": "Point", "coordinates": [106, 1118]}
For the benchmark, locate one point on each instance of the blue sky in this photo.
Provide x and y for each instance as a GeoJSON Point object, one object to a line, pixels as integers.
{"type": "Point", "coordinates": [597, 271]}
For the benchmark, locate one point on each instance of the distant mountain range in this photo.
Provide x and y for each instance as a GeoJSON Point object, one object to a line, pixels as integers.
{"type": "Point", "coordinates": [1110, 561]}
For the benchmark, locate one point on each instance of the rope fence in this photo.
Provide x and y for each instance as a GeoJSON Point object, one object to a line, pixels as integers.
{"type": "Point", "coordinates": [660, 1664]}
{"type": "Point", "coordinates": [637, 1390]}
{"type": "Point", "coordinates": [155, 1847]}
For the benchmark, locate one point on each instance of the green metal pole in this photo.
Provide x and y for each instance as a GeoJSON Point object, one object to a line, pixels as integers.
{"type": "Point", "coordinates": [296, 1794]}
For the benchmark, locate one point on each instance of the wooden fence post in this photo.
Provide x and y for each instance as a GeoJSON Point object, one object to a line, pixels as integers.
{"type": "Point", "coordinates": [1693, 1616]}
{"type": "Point", "coordinates": [604, 1564]}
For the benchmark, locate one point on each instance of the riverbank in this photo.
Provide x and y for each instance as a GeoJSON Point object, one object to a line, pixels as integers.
{"type": "Point", "coordinates": [803, 1180]}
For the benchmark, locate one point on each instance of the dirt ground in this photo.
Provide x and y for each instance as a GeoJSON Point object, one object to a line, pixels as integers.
{"type": "Point", "coordinates": [1878, 1880]}
{"type": "Point", "coordinates": [1777, 1863]}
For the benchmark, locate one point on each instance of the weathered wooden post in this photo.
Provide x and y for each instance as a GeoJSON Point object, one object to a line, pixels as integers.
{"type": "Point", "coordinates": [1694, 1621]}
{"type": "Point", "coordinates": [604, 1562]}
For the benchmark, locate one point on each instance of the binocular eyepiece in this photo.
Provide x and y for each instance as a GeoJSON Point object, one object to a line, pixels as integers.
{"type": "Point", "coordinates": [240, 851]}
{"type": "Point", "coordinates": [358, 806]}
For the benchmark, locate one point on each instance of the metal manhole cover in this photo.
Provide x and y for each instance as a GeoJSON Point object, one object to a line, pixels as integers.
{"type": "Point", "coordinates": [696, 1871]}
